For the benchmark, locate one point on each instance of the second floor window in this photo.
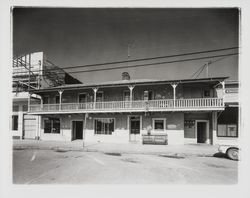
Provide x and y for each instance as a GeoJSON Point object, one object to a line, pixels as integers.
{"type": "Point", "coordinates": [126, 95]}
{"type": "Point", "coordinates": [82, 98]}
{"type": "Point", "coordinates": [57, 99]}
{"type": "Point", "coordinates": [45, 100]}
{"type": "Point", "coordinates": [99, 96]}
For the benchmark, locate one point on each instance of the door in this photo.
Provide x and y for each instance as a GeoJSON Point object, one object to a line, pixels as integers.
{"type": "Point", "coordinates": [135, 125]}
{"type": "Point", "coordinates": [201, 132]}
{"type": "Point", "coordinates": [77, 127]}
{"type": "Point", "coordinates": [30, 126]}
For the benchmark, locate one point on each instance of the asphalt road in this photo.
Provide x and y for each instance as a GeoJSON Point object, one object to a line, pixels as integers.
{"type": "Point", "coordinates": [78, 167]}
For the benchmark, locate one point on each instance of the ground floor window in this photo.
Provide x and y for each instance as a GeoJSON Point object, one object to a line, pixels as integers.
{"type": "Point", "coordinates": [15, 122]}
{"type": "Point", "coordinates": [159, 124]}
{"type": "Point", "coordinates": [104, 126]}
{"type": "Point", "coordinates": [52, 125]}
{"type": "Point", "coordinates": [227, 130]}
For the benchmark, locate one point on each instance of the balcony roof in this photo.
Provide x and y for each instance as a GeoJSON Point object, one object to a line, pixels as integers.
{"type": "Point", "coordinates": [122, 83]}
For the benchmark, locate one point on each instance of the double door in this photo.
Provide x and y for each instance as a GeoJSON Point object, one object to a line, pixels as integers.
{"type": "Point", "coordinates": [135, 127]}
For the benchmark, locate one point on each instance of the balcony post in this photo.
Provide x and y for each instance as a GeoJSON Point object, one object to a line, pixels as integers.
{"type": "Point", "coordinates": [60, 99]}
{"type": "Point", "coordinates": [131, 87]}
{"type": "Point", "coordinates": [174, 85]}
{"type": "Point", "coordinates": [95, 91]}
{"type": "Point", "coordinates": [223, 92]}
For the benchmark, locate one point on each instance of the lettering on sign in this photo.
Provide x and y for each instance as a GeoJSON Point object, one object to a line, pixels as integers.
{"type": "Point", "coordinates": [231, 90]}
{"type": "Point", "coordinates": [171, 126]}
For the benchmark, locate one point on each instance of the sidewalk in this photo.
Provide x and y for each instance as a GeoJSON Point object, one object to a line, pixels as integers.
{"type": "Point", "coordinates": [115, 148]}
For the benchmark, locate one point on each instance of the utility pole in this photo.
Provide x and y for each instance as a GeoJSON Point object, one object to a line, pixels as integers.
{"type": "Point", "coordinates": [208, 63]}
{"type": "Point", "coordinates": [129, 46]}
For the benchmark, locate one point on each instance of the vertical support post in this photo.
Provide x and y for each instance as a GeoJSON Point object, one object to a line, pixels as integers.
{"type": "Point", "coordinates": [214, 127]}
{"type": "Point", "coordinates": [84, 128]}
{"type": "Point", "coordinates": [41, 105]}
{"type": "Point", "coordinates": [29, 102]}
{"type": "Point", "coordinates": [95, 91]}
{"type": "Point", "coordinates": [223, 92]}
{"type": "Point", "coordinates": [131, 87]}
{"type": "Point", "coordinates": [60, 99]}
{"type": "Point", "coordinates": [174, 85]}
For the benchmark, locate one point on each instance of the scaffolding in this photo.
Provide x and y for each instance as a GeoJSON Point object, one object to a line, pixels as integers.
{"type": "Point", "coordinates": [34, 71]}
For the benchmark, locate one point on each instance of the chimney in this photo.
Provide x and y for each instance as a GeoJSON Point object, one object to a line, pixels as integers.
{"type": "Point", "coordinates": [125, 76]}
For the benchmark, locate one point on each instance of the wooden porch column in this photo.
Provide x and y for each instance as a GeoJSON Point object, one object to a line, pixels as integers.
{"type": "Point", "coordinates": [223, 91]}
{"type": "Point", "coordinates": [95, 91]}
{"type": "Point", "coordinates": [131, 87]}
{"type": "Point", "coordinates": [174, 85]}
{"type": "Point", "coordinates": [60, 99]}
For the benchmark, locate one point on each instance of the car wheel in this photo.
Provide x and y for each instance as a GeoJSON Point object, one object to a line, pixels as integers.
{"type": "Point", "coordinates": [233, 153]}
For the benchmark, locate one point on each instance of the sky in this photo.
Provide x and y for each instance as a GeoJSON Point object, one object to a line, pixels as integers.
{"type": "Point", "coordinates": [83, 36]}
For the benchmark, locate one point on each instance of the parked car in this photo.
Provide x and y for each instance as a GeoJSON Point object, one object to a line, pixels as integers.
{"type": "Point", "coordinates": [232, 151]}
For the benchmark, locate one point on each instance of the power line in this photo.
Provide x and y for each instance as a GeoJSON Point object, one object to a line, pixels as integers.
{"type": "Point", "coordinates": [143, 59]}
{"type": "Point", "coordinates": [149, 64]}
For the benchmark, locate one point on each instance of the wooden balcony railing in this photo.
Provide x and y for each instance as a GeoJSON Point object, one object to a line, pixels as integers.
{"type": "Point", "coordinates": [139, 105]}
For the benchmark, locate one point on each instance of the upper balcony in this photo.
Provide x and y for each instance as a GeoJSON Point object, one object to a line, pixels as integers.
{"type": "Point", "coordinates": [131, 96]}
{"type": "Point", "coordinates": [196, 104]}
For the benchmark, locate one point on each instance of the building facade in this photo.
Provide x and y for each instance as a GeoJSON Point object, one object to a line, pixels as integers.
{"type": "Point", "coordinates": [185, 111]}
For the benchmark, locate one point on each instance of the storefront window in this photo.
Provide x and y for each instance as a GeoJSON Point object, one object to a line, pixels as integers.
{"type": "Point", "coordinates": [227, 130]}
{"type": "Point", "coordinates": [104, 126]}
{"type": "Point", "coordinates": [52, 125]}
{"type": "Point", "coordinates": [159, 124]}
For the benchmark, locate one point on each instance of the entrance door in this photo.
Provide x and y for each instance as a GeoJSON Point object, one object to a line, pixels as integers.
{"type": "Point", "coordinates": [201, 132]}
{"type": "Point", "coordinates": [135, 124]}
{"type": "Point", "coordinates": [30, 125]}
{"type": "Point", "coordinates": [77, 127]}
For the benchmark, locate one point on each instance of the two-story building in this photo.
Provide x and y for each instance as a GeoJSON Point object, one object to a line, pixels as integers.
{"type": "Point", "coordinates": [184, 110]}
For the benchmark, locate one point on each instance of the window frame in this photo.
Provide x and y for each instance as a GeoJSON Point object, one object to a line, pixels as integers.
{"type": "Point", "coordinates": [100, 92]}
{"type": "Point", "coordinates": [82, 93]}
{"type": "Point", "coordinates": [126, 91]}
{"type": "Point", "coordinates": [228, 136]}
{"type": "Point", "coordinates": [13, 123]}
{"type": "Point", "coordinates": [164, 124]}
{"type": "Point", "coordinates": [94, 120]}
{"type": "Point", "coordinates": [46, 96]}
{"type": "Point", "coordinates": [51, 119]}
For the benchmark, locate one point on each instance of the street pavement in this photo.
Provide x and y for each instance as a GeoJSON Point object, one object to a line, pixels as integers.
{"type": "Point", "coordinates": [66, 166]}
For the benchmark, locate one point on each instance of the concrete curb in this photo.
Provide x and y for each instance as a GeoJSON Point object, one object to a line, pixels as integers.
{"type": "Point", "coordinates": [67, 149]}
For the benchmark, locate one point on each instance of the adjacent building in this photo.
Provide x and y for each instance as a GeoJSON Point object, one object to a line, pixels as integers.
{"type": "Point", "coordinates": [31, 72]}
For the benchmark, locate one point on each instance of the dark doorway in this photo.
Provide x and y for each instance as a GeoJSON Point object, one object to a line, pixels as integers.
{"type": "Point", "coordinates": [77, 127]}
{"type": "Point", "coordinates": [135, 125]}
{"type": "Point", "coordinates": [201, 132]}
